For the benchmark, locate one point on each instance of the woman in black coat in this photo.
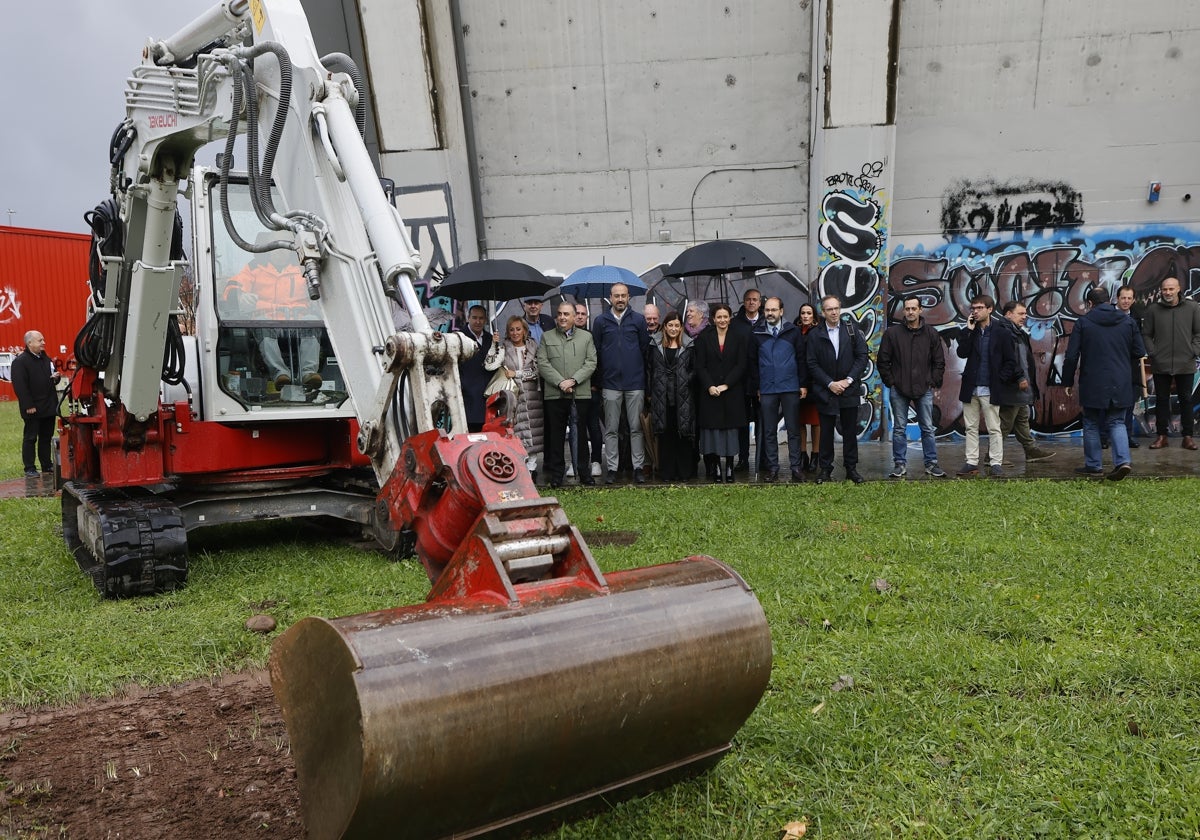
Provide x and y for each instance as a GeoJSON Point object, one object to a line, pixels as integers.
{"type": "Point", "coordinates": [720, 370]}
{"type": "Point", "coordinates": [671, 390]}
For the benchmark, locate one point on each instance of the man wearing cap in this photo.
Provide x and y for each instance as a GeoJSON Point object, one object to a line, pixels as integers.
{"type": "Point", "coordinates": [535, 321]}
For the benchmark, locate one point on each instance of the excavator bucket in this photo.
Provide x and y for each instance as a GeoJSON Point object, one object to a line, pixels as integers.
{"type": "Point", "coordinates": [457, 718]}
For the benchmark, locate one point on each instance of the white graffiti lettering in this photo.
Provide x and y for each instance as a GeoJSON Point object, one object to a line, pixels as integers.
{"type": "Point", "coordinates": [10, 307]}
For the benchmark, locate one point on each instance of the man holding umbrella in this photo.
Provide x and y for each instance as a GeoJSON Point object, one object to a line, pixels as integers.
{"type": "Point", "coordinates": [621, 342]}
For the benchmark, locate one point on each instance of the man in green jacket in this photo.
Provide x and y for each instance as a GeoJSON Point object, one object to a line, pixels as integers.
{"type": "Point", "coordinates": [1171, 328]}
{"type": "Point", "coordinates": [566, 359]}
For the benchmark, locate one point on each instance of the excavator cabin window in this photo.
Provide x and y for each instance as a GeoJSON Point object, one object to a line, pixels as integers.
{"type": "Point", "coordinates": [272, 345]}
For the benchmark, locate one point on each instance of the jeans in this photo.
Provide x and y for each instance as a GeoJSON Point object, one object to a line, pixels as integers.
{"type": "Point", "coordinates": [773, 405]}
{"type": "Point", "coordinates": [900, 405]}
{"type": "Point", "coordinates": [973, 411]}
{"type": "Point", "coordinates": [1114, 421]}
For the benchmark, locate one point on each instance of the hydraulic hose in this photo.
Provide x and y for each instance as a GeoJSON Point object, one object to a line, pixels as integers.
{"type": "Point", "coordinates": [341, 62]}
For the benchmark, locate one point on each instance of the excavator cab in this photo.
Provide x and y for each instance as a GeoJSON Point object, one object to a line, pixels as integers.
{"type": "Point", "coordinates": [273, 349]}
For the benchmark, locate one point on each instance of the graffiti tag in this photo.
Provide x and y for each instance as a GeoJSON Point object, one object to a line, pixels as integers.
{"type": "Point", "coordinates": [850, 235]}
{"type": "Point", "coordinates": [10, 307]}
{"type": "Point", "coordinates": [1026, 208]}
{"type": "Point", "coordinates": [863, 181]}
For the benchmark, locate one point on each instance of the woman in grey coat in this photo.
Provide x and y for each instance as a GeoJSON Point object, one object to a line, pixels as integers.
{"type": "Point", "coordinates": [516, 355]}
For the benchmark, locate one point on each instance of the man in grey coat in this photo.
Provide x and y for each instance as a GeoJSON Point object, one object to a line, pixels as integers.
{"type": "Point", "coordinates": [1171, 327]}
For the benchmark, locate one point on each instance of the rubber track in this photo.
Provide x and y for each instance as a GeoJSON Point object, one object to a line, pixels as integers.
{"type": "Point", "coordinates": [145, 541]}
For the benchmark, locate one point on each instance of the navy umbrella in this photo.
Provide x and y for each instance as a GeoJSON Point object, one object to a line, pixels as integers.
{"type": "Point", "coordinates": [494, 280]}
{"type": "Point", "coordinates": [595, 281]}
{"type": "Point", "coordinates": [721, 256]}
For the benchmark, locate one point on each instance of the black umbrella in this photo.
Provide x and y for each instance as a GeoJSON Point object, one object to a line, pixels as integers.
{"type": "Point", "coordinates": [721, 256]}
{"type": "Point", "coordinates": [494, 280]}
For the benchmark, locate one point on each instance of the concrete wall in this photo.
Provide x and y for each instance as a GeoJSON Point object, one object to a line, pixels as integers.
{"type": "Point", "coordinates": [1007, 148]}
{"type": "Point", "coordinates": [1027, 135]}
{"type": "Point", "coordinates": [631, 129]}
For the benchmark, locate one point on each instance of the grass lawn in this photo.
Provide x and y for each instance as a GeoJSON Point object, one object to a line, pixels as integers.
{"type": "Point", "coordinates": [957, 659]}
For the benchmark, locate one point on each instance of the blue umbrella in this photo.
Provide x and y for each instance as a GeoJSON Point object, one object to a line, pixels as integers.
{"type": "Point", "coordinates": [595, 281]}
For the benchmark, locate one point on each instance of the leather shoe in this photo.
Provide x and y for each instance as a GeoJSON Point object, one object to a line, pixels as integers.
{"type": "Point", "coordinates": [587, 481]}
{"type": "Point", "coordinates": [853, 475]}
{"type": "Point", "coordinates": [823, 476]}
{"type": "Point", "coordinates": [611, 478]}
{"type": "Point", "coordinates": [771, 477]}
{"type": "Point", "coordinates": [1133, 444]}
{"type": "Point", "coordinates": [639, 477]}
{"type": "Point", "coordinates": [1188, 443]}
{"type": "Point", "coordinates": [1160, 442]}
{"type": "Point", "coordinates": [797, 476]}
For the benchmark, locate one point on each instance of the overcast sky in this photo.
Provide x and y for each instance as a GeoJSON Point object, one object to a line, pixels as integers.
{"type": "Point", "coordinates": [63, 94]}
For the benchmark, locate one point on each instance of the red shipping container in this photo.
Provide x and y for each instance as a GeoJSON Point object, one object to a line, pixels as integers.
{"type": "Point", "coordinates": [43, 287]}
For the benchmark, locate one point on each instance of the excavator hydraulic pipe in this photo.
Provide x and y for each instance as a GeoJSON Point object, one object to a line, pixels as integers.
{"type": "Point", "coordinates": [455, 718]}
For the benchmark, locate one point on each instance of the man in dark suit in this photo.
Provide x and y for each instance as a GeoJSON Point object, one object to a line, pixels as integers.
{"type": "Point", "coordinates": [471, 374]}
{"type": "Point", "coordinates": [837, 363]}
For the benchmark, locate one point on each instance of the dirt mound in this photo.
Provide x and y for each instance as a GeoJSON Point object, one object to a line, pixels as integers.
{"type": "Point", "coordinates": [198, 760]}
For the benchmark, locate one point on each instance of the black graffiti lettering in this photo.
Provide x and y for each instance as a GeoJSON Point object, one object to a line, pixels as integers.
{"type": "Point", "coordinates": [978, 208]}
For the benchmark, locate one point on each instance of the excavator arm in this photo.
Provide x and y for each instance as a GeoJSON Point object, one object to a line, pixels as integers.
{"type": "Point", "coordinates": [529, 683]}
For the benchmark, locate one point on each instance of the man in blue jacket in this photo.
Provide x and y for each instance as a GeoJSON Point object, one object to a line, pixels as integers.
{"type": "Point", "coordinates": [621, 341]}
{"type": "Point", "coordinates": [1103, 345]}
{"type": "Point", "coordinates": [779, 377]}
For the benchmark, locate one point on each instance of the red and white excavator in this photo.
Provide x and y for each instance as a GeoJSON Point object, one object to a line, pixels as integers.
{"type": "Point", "coordinates": [528, 682]}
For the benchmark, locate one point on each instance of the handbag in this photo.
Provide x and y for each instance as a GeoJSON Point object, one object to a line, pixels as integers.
{"type": "Point", "coordinates": [500, 382]}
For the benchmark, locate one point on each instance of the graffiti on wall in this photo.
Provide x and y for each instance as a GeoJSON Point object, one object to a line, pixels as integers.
{"type": "Point", "coordinates": [988, 209]}
{"type": "Point", "coordinates": [853, 245]}
{"type": "Point", "coordinates": [10, 307]}
{"type": "Point", "coordinates": [429, 214]}
{"type": "Point", "coordinates": [1051, 275]}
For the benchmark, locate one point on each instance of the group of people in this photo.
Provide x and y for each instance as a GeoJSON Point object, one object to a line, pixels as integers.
{"type": "Point", "coordinates": [689, 386]}
{"type": "Point", "coordinates": [694, 382]}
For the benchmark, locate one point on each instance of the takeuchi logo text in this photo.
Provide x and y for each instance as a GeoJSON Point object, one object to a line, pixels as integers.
{"type": "Point", "coordinates": [164, 120]}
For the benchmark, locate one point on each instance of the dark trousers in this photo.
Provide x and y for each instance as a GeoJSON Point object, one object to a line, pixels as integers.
{"type": "Point", "coordinates": [773, 407]}
{"type": "Point", "coordinates": [753, 412]}
{"type": "Point", "coordinates": [1162, 402]}
{"type": "Point", "coordinates": [39, 431]}
{"type": "Point", "coordinates": [849, 418]}
{"type": "Point", "coordinates": [557, 415]}
{"type": "Point", "coordinates": [676, 453]}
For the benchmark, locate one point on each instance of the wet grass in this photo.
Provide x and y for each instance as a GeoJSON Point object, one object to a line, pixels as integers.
{"type": "Point", "coordinates": [955, 659]}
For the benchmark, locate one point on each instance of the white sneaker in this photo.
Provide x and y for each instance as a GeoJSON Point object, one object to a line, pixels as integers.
{"type": "Point", "coordinates": [597, 470]}
{"type": "Point", "coordinates": [570, 473]}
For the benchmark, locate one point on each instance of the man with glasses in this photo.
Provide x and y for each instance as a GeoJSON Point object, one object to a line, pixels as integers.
{"type": "Point", "coordinates": [779, 377]}
{"type": "Point", "coordinates": [975, 344]}
{"type": "Point", "coordinates": [837, 362]}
